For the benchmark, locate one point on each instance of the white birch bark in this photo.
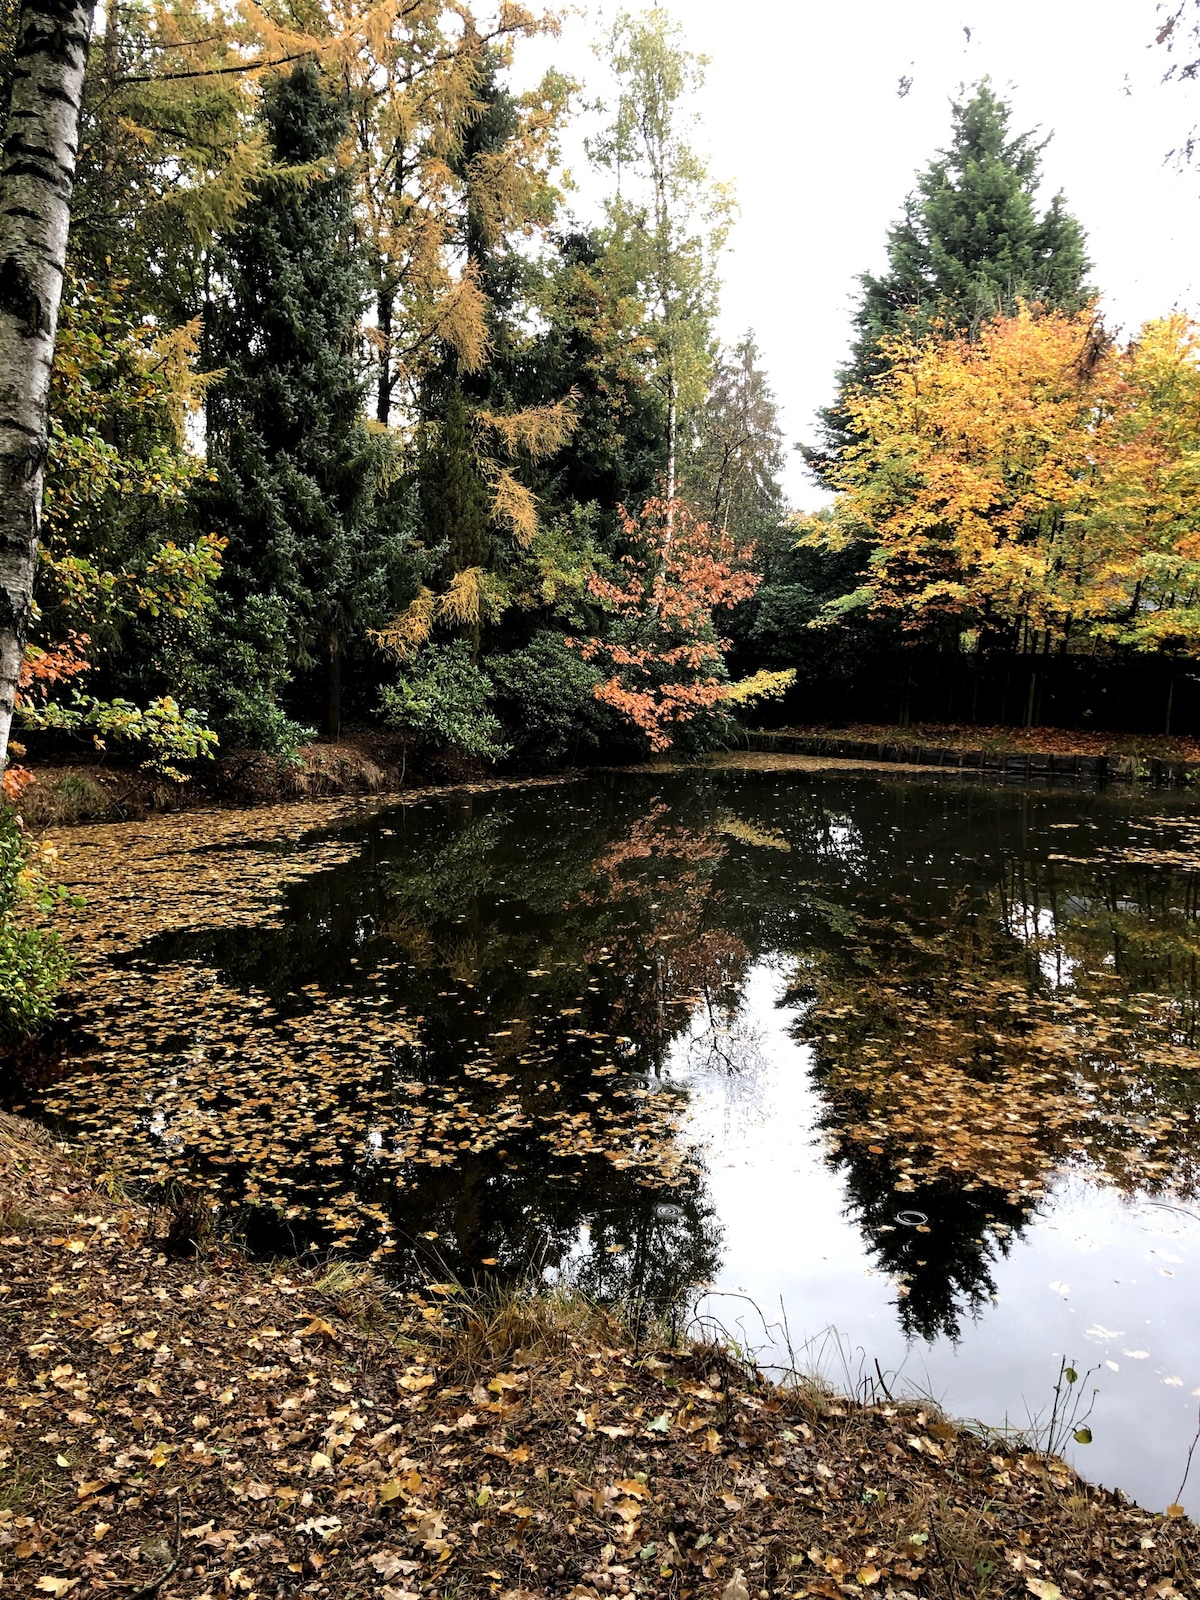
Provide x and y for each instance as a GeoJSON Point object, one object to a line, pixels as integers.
{"type": "Point", "coordinates": [37, 175]}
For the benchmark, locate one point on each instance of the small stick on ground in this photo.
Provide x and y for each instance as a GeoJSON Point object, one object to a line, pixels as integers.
{"type": "Point", "coordinates": [1187, 1466]}
{"type": "Point", "coordinates": [147, 1590]}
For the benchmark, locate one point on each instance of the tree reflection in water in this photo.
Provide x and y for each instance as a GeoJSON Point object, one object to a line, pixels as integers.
{"type": "Point", "coordinates": [995, 987]}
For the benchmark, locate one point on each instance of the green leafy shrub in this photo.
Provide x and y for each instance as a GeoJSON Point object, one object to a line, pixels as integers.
{"type": "Point", "coordinates": [168, 732]}
{"type": "Point", "coordinates": [441, 698]}
{"type": "Point", "coordinates": [242, 670]}
{"type": "Point", "coordinates": [33, 963]}
{"type": "Point", "coordinates": [546, 694]}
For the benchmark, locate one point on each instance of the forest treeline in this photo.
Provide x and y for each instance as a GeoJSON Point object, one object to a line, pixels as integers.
{"type": "Point", "coordinates": [353, 421]}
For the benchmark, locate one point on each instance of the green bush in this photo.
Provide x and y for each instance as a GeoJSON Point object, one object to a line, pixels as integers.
{"type": "Point", "coordinates": [168, 732]}
{"type": "Point", "coordinates": [441, 698]}
{"type": "Point", "coordinates": [546, 694]}
{"type": "Point", "coordinates": [33, 963]}
{"type": "Point", "coordinates": [242, 672]}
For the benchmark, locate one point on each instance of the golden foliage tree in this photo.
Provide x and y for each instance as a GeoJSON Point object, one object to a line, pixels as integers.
{"type": "Point", "coordinates": [1035, 486]}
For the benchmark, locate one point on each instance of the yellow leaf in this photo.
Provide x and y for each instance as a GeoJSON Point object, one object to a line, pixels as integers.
{"type": "Point", "coordinates": [1043, 1589]}
{"type": "Point", "coordinates": [321, 1329]}
{"type": "Point", "coordinates": [416, 1380]}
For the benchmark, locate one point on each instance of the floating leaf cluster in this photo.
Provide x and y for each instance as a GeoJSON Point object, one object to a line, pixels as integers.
{"type": "Point", "coordinates": [1053, 1026]}
{"type": "Point", "coordinates": [317, 1106]}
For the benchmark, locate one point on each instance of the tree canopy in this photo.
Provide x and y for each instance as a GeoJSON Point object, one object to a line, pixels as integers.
{"type": "Point", "coordinates": [970, 244]}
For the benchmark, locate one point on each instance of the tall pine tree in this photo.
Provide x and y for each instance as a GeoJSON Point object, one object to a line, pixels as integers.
{"type": "Point", "coordinates": [296, 468]}
{"type": "Point", "coordinates": [734, 460]}
{"type": "Point", "coordinates": [970, 244]}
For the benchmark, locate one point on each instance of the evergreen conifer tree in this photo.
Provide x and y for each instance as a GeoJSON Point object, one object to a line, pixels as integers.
{"type": "Point", "coordinates": [734, 460]}
{"type": "Point", "coordinates": [296, 468]}
{"type": "Point", "coordinates": [970, 244]}
{"type": "Point", "coordinates": [454, 500]}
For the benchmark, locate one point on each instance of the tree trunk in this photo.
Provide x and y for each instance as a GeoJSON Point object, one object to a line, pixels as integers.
{"type": "Point", "coordinates": [37, 175]}
{"type": "Point", "coordinates": [383, 396]}
{"type": "Point", "coordinates": [672, 436]}
{"type": "Point", "coordinates": [112, 43]}
{"type": "Point", "coordinates": [333, 690]}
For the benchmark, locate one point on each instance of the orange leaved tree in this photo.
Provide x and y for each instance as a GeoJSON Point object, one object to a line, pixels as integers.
{"type": "Point", "coordinates": [662, 654]}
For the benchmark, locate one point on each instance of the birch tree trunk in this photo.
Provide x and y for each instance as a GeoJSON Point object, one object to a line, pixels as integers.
{"type": "Point", "coordinates": [37, 175]}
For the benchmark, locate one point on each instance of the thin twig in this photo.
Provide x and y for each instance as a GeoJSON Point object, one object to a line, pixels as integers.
{"type": "Point", "coordinates": [1188, 1467]}
{"type": "Point", "coordinates": [937, 1545]}
{"type": "Point", "coordinates": [147, 1590]}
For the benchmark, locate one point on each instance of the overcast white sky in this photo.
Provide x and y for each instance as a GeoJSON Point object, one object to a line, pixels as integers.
{"type": "Point", "coordinates": [801, 113]}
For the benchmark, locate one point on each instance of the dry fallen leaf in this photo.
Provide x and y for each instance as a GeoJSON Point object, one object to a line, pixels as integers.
{"type": "Point", "coordinates": [1043, 1589]}
{"type": "Point", "coordinates": [320, 1328]}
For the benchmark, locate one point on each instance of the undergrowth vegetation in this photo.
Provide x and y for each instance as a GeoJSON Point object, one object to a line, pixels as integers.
{"type": "Point", "coordinates": [33, 963]}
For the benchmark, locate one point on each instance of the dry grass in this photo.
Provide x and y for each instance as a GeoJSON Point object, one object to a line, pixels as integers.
{"type": "Point", "coordinates": [56, 798]}
{"type": "Point", "coordinates": [494, 1328]}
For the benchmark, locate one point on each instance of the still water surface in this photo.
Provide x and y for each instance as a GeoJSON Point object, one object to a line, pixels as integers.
{"type": "Point", "coordinates": [932, 1053]}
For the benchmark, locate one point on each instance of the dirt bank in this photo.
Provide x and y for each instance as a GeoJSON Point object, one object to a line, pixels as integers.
{"type": "Point", "coordinates": [197, 1425]}
{"type": "Point", "coordinates": [1040, 754]}
{"type": "Point", "coordinates": [100, 790]}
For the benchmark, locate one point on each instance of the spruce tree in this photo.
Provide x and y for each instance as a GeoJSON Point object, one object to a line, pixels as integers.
{"type": "Point", "coordinates": [296, 468]}
{"type": "Point", "coordinates": [734, 458]}
{"type": "Point", "coordinates": [593, 346]}
{"type": "Point", "coordinates": [454, 501]}
{"type": "Point", "coordinates": [970, 244]}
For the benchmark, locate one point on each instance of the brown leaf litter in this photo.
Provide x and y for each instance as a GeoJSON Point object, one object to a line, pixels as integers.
{"type": "Point", "coordinates": [208, 1426]}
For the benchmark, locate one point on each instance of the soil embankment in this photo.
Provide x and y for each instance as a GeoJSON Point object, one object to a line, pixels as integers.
{"type": "Point", "coordinates": [377, 763]}
{"type": "Point", "coordinates": [181, 1422]}
{"type": "Point", "coordinates": [1022, 755]}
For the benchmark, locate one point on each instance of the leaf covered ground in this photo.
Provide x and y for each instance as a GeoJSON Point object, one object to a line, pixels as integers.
{"type": "Point", "coordinates": [202, 1426]}
{"type": "Point", "coordinates": [1015, 741]}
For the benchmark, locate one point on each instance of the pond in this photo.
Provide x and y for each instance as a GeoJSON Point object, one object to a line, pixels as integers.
{"type": "Point", "coordinates": [892, 1078]}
